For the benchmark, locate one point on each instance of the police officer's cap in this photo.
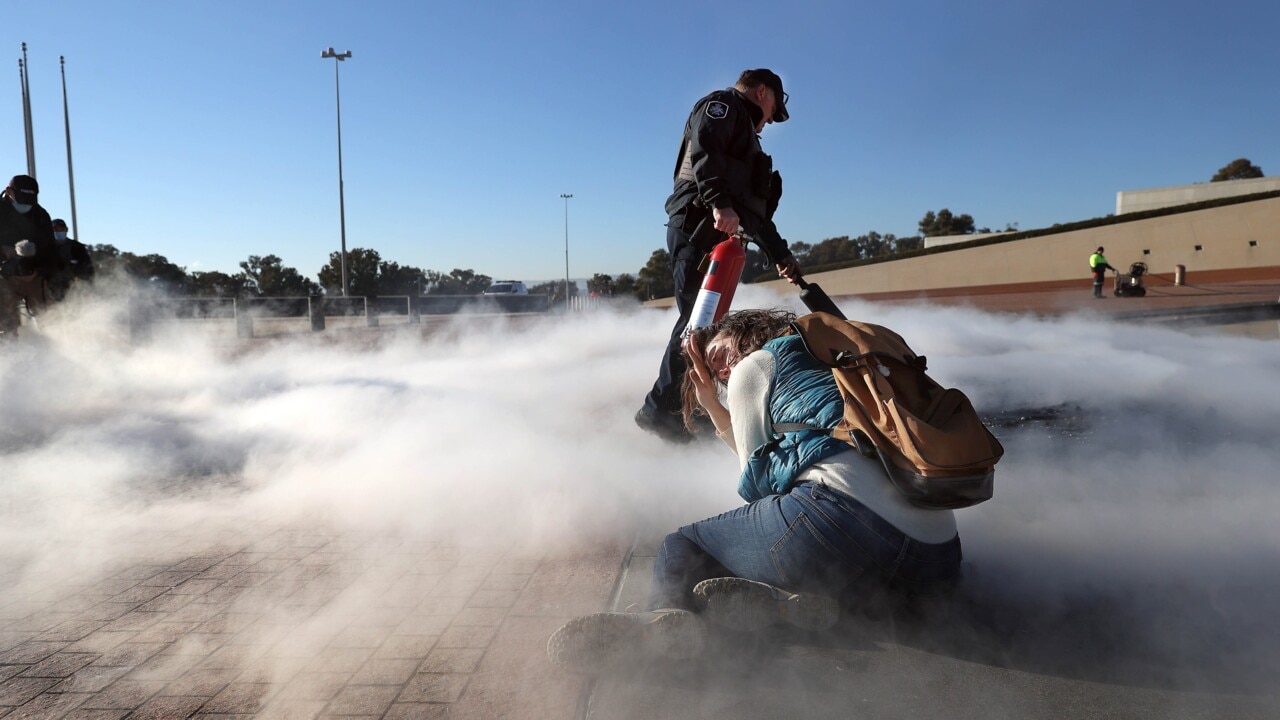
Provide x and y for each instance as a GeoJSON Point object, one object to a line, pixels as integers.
{"type": "Point", "coordinates": [751, 78]}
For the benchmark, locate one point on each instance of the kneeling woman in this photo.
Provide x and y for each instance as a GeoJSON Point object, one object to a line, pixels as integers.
{"type": "Point", "coordinates": [821, 520]}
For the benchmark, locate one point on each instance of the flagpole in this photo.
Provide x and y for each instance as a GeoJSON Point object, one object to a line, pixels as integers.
{"type": "Point", "coordinates": [24, 68]}
{"type": "Point", "coordinates": [71, 175]}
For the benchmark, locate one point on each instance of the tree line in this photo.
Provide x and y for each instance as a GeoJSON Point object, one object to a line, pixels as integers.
{"type": "Point", "coordinates": [267, 276]}
{"type": "Point", "coordinates": [368, 274]}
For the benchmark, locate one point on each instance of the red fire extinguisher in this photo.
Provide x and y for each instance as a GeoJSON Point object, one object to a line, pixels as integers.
{"type": "Point", "coordinates": [723, 272]}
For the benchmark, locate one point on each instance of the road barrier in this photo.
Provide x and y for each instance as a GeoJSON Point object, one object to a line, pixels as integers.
{"type": "Point", "coordinates": [144, 311]}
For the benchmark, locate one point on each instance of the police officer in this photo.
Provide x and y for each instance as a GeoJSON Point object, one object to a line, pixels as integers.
{"type": "Point", "coordinates": [1099, 267]}
{"type": "Point", "coordinates": [23, 274]}
{"type": "Point", "coordinates": [77, 264]}
{"type": "Point", "coordinates": [721, 176]}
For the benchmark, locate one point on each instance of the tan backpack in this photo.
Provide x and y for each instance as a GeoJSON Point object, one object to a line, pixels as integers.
{"type": "Point", "coordinates": [932, 443]}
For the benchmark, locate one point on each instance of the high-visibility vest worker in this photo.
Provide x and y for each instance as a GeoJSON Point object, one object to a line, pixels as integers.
{"type": "Point", "coordinates": [1099, 266]}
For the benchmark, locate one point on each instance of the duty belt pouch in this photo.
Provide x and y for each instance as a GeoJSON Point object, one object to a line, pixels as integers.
{"type": "Point", "coordinates": [761, 174]}
{"type": "Point", "coordinates": [693, 214]}
{"type": "Point", "coordinates": [775, 194]}
{"type": "Point", "coordinates": [700, 226]}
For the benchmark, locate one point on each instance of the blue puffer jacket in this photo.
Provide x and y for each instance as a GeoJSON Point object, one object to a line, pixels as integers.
{"type": "Point", "coordinates": [803, 391]}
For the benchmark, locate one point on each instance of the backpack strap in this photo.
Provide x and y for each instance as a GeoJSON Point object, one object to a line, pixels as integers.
{"type": "Point", "coordinates": [857, 439]}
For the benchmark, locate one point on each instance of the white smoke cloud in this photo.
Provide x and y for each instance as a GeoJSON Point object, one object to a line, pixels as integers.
{"type": "Point", "coordinates": [1146, 458]}
{"type": "Point", "coordinates": [487, 428]}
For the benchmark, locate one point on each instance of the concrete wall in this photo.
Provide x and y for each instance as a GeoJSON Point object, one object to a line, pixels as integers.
{"type": "Point", "coordinates": [1222, 234]}
{"type": "Point", "coordinates": [1129, 201]}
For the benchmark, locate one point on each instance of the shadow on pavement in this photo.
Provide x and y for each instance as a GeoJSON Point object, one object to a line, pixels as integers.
{"type": "Point", "coordinates": [1000, 646]}
{"type": "Point", "coordinates": [1174, 638]}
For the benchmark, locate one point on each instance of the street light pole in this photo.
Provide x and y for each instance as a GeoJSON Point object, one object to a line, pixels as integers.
{"type": "Point", "coordinates": [566, 250]}
{"type": "Point", "coordinates": [342, 205]}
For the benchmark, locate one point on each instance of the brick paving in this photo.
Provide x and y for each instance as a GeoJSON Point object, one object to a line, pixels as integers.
{"type": "Point", "coordinates": [300, 623]}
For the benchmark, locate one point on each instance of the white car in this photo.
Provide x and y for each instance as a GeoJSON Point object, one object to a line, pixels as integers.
{"type": "Point", "coordinates": [507, 287]}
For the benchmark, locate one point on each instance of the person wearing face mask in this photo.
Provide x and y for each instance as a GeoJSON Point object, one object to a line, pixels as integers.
{"type": "Point", "coordinates": [77, 265]}
{"type": "Point", "coordinates": [722, 177]}
{"type": "Point", "coordinates": [823, 524]}
{"type": "Point", "coordinates": [24, 276]}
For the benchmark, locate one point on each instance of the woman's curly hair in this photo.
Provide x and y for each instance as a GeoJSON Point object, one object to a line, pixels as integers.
{"type": "Point", "coordinates": [749, 331]}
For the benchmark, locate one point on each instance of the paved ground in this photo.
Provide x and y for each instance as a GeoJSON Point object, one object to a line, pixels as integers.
{"type": "Point", "coordinates": [989, 652]}
{"type": "Point", "coordinates": [300, 624]}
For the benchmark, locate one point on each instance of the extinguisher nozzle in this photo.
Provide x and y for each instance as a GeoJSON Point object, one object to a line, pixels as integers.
{"type": "Point", "coordinates": [817, 300]}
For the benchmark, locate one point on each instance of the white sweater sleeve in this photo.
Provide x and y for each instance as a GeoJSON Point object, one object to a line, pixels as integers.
{"type": "Point", "coordinates": [748, 401]}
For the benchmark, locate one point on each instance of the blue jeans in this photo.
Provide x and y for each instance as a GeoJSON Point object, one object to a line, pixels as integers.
{"type": "Point", "coordinates": [810, 540]}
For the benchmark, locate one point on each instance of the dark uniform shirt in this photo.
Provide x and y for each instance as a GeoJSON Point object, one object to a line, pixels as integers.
{"type": "Point", "coordinates": [76, 262]}
{"type": "Point", "coordinates": [34, 225]}
{"type": "Point", "coordinates": [721, 165]}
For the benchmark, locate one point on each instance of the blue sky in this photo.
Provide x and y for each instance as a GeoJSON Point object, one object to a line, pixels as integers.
{"type": "Point", "coordinates": [205, 131]}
